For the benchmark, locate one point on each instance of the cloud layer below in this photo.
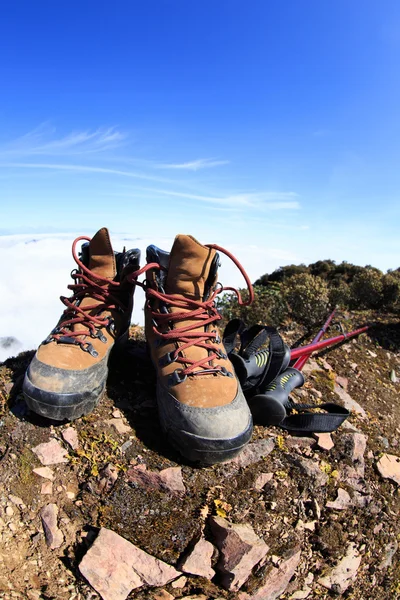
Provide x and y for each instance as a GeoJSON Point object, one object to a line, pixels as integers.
{"type": "Point", "coordinates": [36, 272]}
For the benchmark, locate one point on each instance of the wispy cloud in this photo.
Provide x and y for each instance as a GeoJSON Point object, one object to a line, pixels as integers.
{"type": "Point", "coordinates": [44, 141]}
{"type": "Point", "coordinates": [194, 165]}
{"type": "Point", "coordinates": [84, 152]}
{"type": "Point", "coordinates": [83, 169]}
{"type": "Point", "coordinates": [271, 200]}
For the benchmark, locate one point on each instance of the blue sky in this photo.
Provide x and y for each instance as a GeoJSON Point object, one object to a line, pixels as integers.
{"type": "Point", "coordinates": [267, 124]}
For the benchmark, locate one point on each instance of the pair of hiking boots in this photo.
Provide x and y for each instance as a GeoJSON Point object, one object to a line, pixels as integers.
{"type": "Point", "coordinates": [201, 405]}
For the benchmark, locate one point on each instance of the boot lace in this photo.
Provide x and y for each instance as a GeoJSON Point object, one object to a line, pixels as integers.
{"type": "Point", "coordinates": [201, 314]}
{"type": "Point", "coordinates": [87, 285]}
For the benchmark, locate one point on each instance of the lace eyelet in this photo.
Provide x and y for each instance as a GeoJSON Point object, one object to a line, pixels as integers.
{"type": "Point", "coordinates": [167, 359]}
{"type": "Point", "coordinates": [89, 348]}
{"type": "Point", "coordinates": [176, 377]}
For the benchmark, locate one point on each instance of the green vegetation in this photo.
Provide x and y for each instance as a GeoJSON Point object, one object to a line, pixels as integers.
{"type": "Point", "coordinates": [305, 293]}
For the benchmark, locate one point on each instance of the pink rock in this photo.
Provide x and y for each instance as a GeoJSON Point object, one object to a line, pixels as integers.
{"type": "Point", "coordinates": [311, 469]}
{"type": "Point", "coordinates": [53, 535]}
{"type": "Point", "coordinates": [342, 501]}
{"type": "Point", "coordinates": [299, 442]}
{"type": "Point", "coordinates": [342, 381]}
{"type": "Point", "coordinates": [326, 365]}
{"type": "Point", "coordinates": [241, 549]}
{"type": "Point", "coordinates": [45, 472]}
{"type": "Point", "coordinates": [355, 444]}
{"type": "Point", "coordinates": [50, 453]}
{"type": "Point", "coordinates": [349, 403]}
{"type": "Point", "coordinates": [353, 478]}
{"type": "Point", "coordinates": [276, 581]}
{"type": "Point", "coordinates": [179, 583]}
{"type": "Point", "coordinates": [47, 488]}
{"type": "Point", "coordinates": [324, 441]}
{"type": "Point", "coordinates": [341, 576]}
{"type": "Point", "coordinates": [198, 561]}
{"type": "Point", "coordinates": [389, 467]}
{"type": "Point", "coordinates": [254, 452]}
{"type": "Point", "coordinates": [311, 365]}
{"type": "Point", "coordinates": [262, 480]}
{"type": "Point", "coordinates": [71, 437]}
{"type": "Point", "coordinates": [172, 478]}
{"type": "Point", "coordinates": [106, 480]}
{"type": "Point", "coordinates": [162, 595]}
{"type": "Point", "coordinates": [113, 567]}
{"type": "Point", "coordinates": [167, 480]}
{"type": "Point", "coordinates": [119, 425]}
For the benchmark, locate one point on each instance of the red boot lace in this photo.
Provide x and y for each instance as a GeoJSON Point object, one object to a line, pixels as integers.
{"type": "Point", "coordinates": [201, 313]}
{"type": "Point", "coordinates": [87, 284]}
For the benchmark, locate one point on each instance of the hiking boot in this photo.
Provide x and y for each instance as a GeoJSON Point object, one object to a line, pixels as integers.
{"type": "Point", "coordinates": [67, 375]}
{"type": "Point", "coordinates": [201, 405]}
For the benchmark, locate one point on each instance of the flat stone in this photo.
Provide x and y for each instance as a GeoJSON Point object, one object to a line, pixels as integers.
{"type": "Point", "coordinates": [341, 576]}
{"type": "Point", "coordinates": [355, 445]}
{"type": "Point", "coordinates": [119, 425]}
{"type": "Point", "coordinates": [45, 472]}
{"type": "Point", "coordinates": [254, 452]}
{"type": "Point", "coordinates": [325, 365]}
{"type": "Point", "coordinates": [173, 480]}
{"type": "Point", "coordinates": [198, 561]}
{"type": "Point", "coordinates": [353, 478]}
{"type": "Point", "coordinates": [389, 467]}
{"type": "Point", "coordinates": [106, 480]}
{"type": "Point", "coordinates": [70, 436]}
{"type": "Point", "coordinates": [293, 442]}
{"type": "Point", "coordinates": [17, 501]}
{"type": "Point", "coordinates": [262, 480]}
{"type": "Point", "coordinates": [113, 567]}
{"type": "Point", "coordinates": [276, 580]}
{"type": "Point", "coordinates": [310, 366]}
{"type": "Point", "coordinates": [47, 487]}
{"type": "Point", "coordinates": [162, 595]}
{"type": "Point", "coordinates": [167, 480]}
{"type": "Point", "coordinates": [53, 535]}
{"type": "Point", "coordinates": [390, 551]}
{"type": "Point", "coordinates": [342, 381]}
{"type": "Point", "coordinates": [301, 594]}
{"type": "Point", "coordinates": [348, 402]}
{"type": "Point", "coordinates": [324, 441]}
{"type": "Point", "coordinates": [241, 549]}
{"type": "Point", "coordinates": [179, 583]}
{"type": "Point", "coordinates": [311, 469]}
{"type": "Point", "coordinates": [342, 501]}
{"type": "Point", "coordinates": [51, 453]}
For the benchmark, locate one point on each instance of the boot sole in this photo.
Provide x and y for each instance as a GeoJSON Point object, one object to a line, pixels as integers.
{"type": "Point", "coordinates": [71, 406]}
{"type": "Point", "coordinates": [61, 407]}
{"type": "Point", "coordinates": [201, 449]}
{"type": "Point", "coordinates": [208, 451]}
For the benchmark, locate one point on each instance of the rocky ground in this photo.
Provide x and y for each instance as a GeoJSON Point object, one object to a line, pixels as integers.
{"type": "Point", "coordinates": [104, 504]}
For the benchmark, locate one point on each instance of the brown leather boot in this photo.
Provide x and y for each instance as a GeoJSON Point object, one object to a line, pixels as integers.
{"type": "Point", "coordinates": [201, 405]}
{"type": "Point", "coordinates": [68, 373]}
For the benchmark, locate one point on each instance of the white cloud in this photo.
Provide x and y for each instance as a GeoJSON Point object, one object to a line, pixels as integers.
{"type": "Point", "coordinates": [268, 200]}
{"type": "Point", "coordinates": [194, 165]}
{"type": "Point", "coordinates": [35, 272]}
{"type": "Point", "coordinates": [44, 141]}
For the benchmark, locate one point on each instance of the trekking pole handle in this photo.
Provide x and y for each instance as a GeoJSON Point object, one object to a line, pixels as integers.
{"type": "Point", "coordinates": [269, 408]}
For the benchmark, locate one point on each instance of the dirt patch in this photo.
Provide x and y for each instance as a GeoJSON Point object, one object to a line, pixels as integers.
{"type": "Point", "coordinates": [289, 511]}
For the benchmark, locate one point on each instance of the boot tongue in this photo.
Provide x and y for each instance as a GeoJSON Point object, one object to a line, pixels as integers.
{"type": "Point", "coordinates": [101, 255]}
{"type": "Point", "coordinates": [189, 267]}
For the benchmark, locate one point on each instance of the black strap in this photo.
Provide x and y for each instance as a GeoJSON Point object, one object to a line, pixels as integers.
{"type": "Point", "coordinates": [303, 422]}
